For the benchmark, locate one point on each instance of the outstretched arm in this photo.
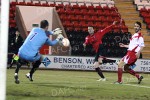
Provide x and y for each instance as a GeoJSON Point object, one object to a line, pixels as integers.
{"type": "Point", "coordinates": [123, 45]}
{"type": "Point", "coordinates": [108, 28]}
{"type": "Point", "coordinates": [56, 31]}
{"type": "Point", "coordinates": [51, 43]}
{"type": "Point", "coordinates": [54, 42]}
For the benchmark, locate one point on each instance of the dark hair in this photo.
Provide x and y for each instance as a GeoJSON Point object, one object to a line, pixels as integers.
{"type": "Point", "coordinates": [139, 23]}
{"type": "Point", "coordinates": [44, 23]}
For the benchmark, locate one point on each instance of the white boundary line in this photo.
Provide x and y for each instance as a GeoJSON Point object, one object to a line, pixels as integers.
{"type": "Point", "coordinates": [141, 86]}
{"type": "Point", "coordinates": [106, 82]}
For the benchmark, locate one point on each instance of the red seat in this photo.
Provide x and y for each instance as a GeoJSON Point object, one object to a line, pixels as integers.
{"type": "Point", "coordinates": [68, 24]}
{"type": "Point", "coordinates": [106, 13]}
{"type": "Point", "coordinates": [77, 12]}
{"type": "Point", "coordinates": [37, 4]}
{"type": "Point", "coordinates": [75, 7]}
{"type": "Point", "coordinates": [80, 17]}
{"type": "Point", "coordinates": [45, 4]}
{"type": "Point", "coordinates": [98, 25]}
{"type": "Point", "coordinates": [76, 24]}
{"type": "Point", "coordinates": [12, 25]}
{"type": "Point", "coordinates": [98, 8]}
{"type": "Point", "coordinates": [63, 17]}
{"type": "Point", "coordinates": [91, 12]}
{"type": "Point", "coordinates": [30, 4]}
{"type": "Point", "coordinates": [84, 11]}
{"type": "Point", "coordinates": [69, 12]}
{"type": "Point", "coordinates": [99, 12]}
{"type": "Point", "coordinates": [59, 6]}
{"type": "Point", "coordinates": [11, 15]}
{"type": "Point", "coordinates": [13, 3]}
{"type": "Point", "coordinates": [83, 24]}
{"type": "Point", "coordinates": [86, 18]}
{"type": "Point", "coordinates": [72, 18]}
{"type": "Point", "coordinates": [95, 19]}
{"type": "Point", "coordinates": [22, 3]}
{"type": "Point", "coordinates": [68, 7]}
{"type": "Point", "coordinates": [12, 21]}
{"type": "Point", "coordinates": [61, 11]}
{"type": "Point", "coordinates": [52, 5]}
{"type": "Point", "coordinates": [83, 7]}
{"type": "Point", "coordinates": [90, 24]}
{"type": "Point", "coordinates": [90, 7]}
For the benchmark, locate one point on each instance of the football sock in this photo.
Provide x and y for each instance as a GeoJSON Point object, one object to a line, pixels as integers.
{"type": "Point", "coordinates": [18, 67]}
{"type": "Point", "coordinates": [32, 71]}
{"type": "Point", "coordinates": [119, 74]}
{"type": "Point", "coordinates": [132, 72]}
{"type": "Point", "coordinates": [35, 67]}
{"type": "Point", "coordinates": [98, 70]}
{"type": "Point", "coordinates": [108, 61]}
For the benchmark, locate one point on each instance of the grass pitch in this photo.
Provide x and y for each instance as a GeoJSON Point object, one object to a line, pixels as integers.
{"type": "Point", "coordinates": [75, 85]}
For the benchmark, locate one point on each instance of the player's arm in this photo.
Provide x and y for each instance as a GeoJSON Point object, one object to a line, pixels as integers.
{"type": "Point", "coordinates": [141, 45]}
{"type": "Point", "coordinates": [54, 42]}
{"type": "Point", "coordinates": [56, 31]}
{"type": "Point", "coordinates": [138, 53]}
{"type": "Point", "coordinates": [51, 43]}
{"type": "Point", "coordinates": [123, 45]}
{"type": "Point", "coordinates": [86, 42]}
{"type": "Point", "coordinates": [108, 28]}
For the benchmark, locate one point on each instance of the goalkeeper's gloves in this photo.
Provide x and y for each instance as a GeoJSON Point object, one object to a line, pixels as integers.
{"type": "Point", "coordinates": [57, 31]}
{"type": "Point", "coordinates": [59, 37]}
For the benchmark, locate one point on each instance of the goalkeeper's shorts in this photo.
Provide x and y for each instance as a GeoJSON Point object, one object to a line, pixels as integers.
{"type": "Point", "coordinates": [29, 57]}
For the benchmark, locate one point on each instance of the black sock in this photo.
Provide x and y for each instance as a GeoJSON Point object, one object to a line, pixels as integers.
{"type": "Point", "coordinates": [35, 67]}
{"type": "Point", "coordinates": [12, 62]}
{"type": "Point", "coordinates": [98, 70]}
{"type": "Point", "coordinates": [108, 61]}
{"type": "Point", "coordinates": [18, 67]}
{"type": "Point", "coordinates": [32, 71]}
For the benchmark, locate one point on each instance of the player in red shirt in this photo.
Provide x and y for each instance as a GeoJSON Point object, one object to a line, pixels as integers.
{"type": "Point", "coordinates": [95, 39]}
{"type": "Point", "coordinates": [135, 47]}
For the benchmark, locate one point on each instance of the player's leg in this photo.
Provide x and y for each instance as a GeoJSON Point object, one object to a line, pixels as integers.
{"type": "Point", "coordinates": [35, 66]}
{"type": "Point", "coordinates": [19, 64]}
{"type": "Point", "coordinates": [128, 69]}
{"type": "Point", "coordinates": [98, 61]}
{"type": "Point", "coordinates": [120, 71]}
{"type": "Point", "coordinates": [98, 70]}
{"type": "Point", "coordinates": [12, 62]}
{"type": "Point", "coordinates": [33, 69]}
{"type": "Point", "coordinates": [105, 60]}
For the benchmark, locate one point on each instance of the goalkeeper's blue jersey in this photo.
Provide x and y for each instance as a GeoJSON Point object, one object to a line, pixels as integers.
{"type": "Point", "coordinates": [35, 40]}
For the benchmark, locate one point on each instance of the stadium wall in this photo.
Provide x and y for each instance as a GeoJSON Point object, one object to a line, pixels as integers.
{"type": "Point", "coordinates": [86, 63]}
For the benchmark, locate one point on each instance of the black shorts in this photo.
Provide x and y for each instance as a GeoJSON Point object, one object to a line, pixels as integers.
{"type": "Point", "coordinates": [100, 52]}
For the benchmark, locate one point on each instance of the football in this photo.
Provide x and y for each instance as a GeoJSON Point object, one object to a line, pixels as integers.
{"type": "Point", "coordinates": [65, 42]}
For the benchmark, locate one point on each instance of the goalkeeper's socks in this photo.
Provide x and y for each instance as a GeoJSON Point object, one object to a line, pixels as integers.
{"type": "Point", "coordinates": [120, 74]}
{"type": "Point", "coordinates": [18, 67]}
{"type": "Point", "coordinates": [98, 70]}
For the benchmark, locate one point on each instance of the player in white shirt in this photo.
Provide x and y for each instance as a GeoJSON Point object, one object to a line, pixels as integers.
{"type": "Point", "coordinates": [134, 49]}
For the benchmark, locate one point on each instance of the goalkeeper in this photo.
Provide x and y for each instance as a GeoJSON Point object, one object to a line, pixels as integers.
{"type": "Point", "coordinates": [29, 51]}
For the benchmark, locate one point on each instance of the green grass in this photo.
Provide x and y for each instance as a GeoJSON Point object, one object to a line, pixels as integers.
{"type": "Point", "coordinates": [75, 85]}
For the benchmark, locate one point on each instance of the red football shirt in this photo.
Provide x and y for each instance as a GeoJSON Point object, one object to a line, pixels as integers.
{"type": "Point", "coordinates": [96, 39]}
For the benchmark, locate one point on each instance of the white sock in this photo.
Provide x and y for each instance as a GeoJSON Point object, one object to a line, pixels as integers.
{"type": "Point", "coordinates": [28, 74]}
{"type": "Point", "coordinates": [16, 74]}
